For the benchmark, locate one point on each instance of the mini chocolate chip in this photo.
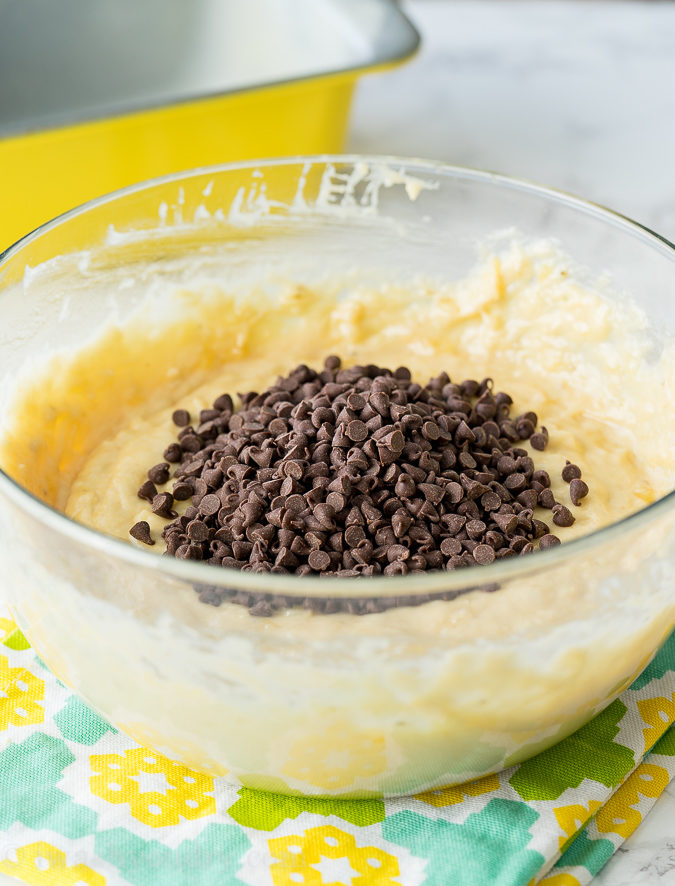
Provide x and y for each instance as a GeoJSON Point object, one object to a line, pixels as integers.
{"type": "Point", "coordinates": [470, 387]}
{"type": "Point", "coordinates": [517, 543]}
{"type": "Point", "coordinates": [197, 530]}
{"type": "Point", "coordinates": [173, 453]}
{"type": "Point", "coordinates": [450, 547]}
{"type": "Point", "coordinates": [539, 528]}
{"type": "Point", "coordinates": [578, 490]}
{"type": "Point", "coordinates": [397, 552]}
{"type": "Point", "coordinates": [464, 434]}
{"type": "Point", "coordinates": [524, 428]}
{"type": "Point", "coordinates": [224, 403]}
{"type": "Point", "coordinates": [515, 482]}
{"type": "Point", "coordinates": [490, 501]}
{"type": "Point", "coordinates": [162, 505]}
{"type": "Point", "coordinates": [508, 430]}
{"type": "Point", "coordinates": [454, 492]}
{"type": "Point", "coordinates": [506, 522]}
{"type": "Point", "coordinates": [548, 541]}
{"type": "Point", "coordinates": [400, 523]}
{"type": "Point", "coordinates": [483, 554]}
{"type": "Point", "coordinates": [528, 498]}
{"type": "Point", "coordinates": [454, 523]}
{"type": "Point", "coordinates": [213, 477]}
{"type": "Point", "coordinates": [431, 492]}
{"type": "Point", "coordinates": [191, 443]}
{"type": "Point", "coordinates": [159, 474]}
{"type": "Point", "coordinates": [379, 400]}
{"type": "Point", "coordinates": [542, 477]}
{"type": "Point", "coordinates": [251, 511]}
{"type": "Point", "coordinates": [475, 528]}
{"type": "Point", "coordinates": [356, 431]}
{"type": "Point", "coordinates": [209, 505]}
{"type": "Point", "coordinates": [402, 373]}
{"type": "Point", "coordinates": [473, 488]}
{"type": "Point", "coordinates": [353, 535]}
{"type": "Point", "coordinates": [571, 472]}
{"type": "Point", "coordinates": [398, 567]}
{"type": "Point", "coordinates": [495, 539]}
{"type": "Point", "coordinates": [141, 532]}
{"type": "Point", "coordinates": [539, 440]}
{"type": "Point", "coordinates": [147, 491]}
{"type": "Point", "coordinates": [337, 501]}
{"type": "Point", "coordinates": [181, 418]}
{"type": "Point", "coordinates": [562, 516]}
{"type": "Point", "coordinates": [394, 441]}
{"type": "Point", "coordinates": [546, 498]}
{"type": "Point", "coordinates": [405, 486]}
{"type": "Point", "coordinates": [319, 560]}
{"type": "Point", "coordinates": [295, 503]}
{"type": "Point", "coordinates": [325, 514]}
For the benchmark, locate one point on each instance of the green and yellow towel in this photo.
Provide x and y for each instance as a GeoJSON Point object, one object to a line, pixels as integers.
{"type": "Point", "coordinates": [83, 805]}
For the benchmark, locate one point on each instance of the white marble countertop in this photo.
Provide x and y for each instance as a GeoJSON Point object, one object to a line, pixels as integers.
{"type": "Point", "coordinates": [576, 95]}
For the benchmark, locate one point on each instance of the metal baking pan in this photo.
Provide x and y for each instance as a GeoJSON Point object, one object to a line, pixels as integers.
{"type": "Point", "coordinates": [95, 94]}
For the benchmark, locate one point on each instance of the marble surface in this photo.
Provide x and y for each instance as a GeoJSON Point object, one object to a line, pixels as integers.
{"type": "Point", "coordinates": [576, 95]}
{"type": "Point", "coordinates": [648, 857]}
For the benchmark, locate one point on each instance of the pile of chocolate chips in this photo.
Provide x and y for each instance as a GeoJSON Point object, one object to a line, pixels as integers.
{"type": "Point", "coordinates": [357, 471]}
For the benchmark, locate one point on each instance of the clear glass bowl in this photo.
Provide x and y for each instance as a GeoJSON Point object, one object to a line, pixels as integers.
{"type": "Point", "coordinates": [341, 704]}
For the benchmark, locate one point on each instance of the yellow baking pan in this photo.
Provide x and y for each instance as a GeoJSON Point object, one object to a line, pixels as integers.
{"type": "Point", "coordinates": [97, 94]}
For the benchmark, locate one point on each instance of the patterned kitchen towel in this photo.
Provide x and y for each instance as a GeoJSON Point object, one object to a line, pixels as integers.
{"type": "Point", "coordinates": [83, 805]}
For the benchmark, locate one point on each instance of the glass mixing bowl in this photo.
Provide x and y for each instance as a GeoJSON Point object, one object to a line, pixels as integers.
{"type": "Point", "coordinates": [304, 702]}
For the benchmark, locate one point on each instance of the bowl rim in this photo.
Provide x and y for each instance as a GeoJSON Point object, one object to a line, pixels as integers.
{"type": "Point", "coordinates": [273, 584]}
